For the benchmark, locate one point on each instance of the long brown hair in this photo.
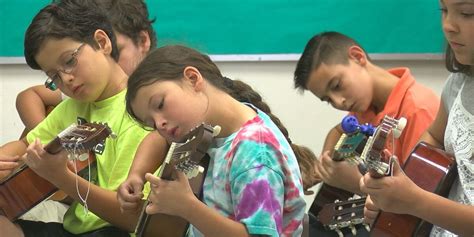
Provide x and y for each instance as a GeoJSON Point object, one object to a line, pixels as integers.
{"type": "Point", "coordinates": [169, 62]}
{"type": "Point", "coordinates": [453, 65]}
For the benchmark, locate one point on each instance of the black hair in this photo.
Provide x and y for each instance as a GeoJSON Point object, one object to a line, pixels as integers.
{"type": "Point", "coordinates": [66, 19]}
{"type": "Point", "coordinates": [326, 47]}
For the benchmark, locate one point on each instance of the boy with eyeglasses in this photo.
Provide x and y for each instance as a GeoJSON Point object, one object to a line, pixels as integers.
{"type": "Point", "coordinates": [75, 45]}
{"type": "Point", "coordinates": [135, 37]}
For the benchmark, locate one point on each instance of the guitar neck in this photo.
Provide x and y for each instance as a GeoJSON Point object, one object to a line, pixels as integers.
{"type": "Point", "coordinates": [378, 165]}
{"type": "Point", "coordinates": [54, 146]}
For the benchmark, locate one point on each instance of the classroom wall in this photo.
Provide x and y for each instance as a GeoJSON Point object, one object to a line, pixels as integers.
{"type": "Point", "coordinates": [306, 118]}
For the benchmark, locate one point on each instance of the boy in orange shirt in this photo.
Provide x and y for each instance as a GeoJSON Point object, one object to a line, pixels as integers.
{"type": "Point", "coordinates": [337, 70]}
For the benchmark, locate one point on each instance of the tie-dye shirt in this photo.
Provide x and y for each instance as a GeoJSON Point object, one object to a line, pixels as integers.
{"type": "Point", "coordinates": [254, 178]}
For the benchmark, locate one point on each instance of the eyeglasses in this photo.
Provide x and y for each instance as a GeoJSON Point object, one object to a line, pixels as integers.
{"type": "Point", "coordinates": [67, 67]}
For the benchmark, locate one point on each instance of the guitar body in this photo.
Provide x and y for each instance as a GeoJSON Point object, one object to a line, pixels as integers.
{"type": "Point", "coordinates": [431, 169]}
{"type": "Point", "coordinates": [162, 225]}
{"type": "Point", "coordinates": [24, 189]}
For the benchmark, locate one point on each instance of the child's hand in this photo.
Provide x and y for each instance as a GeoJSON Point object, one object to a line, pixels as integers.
{"type": "Point", "coordinates": [339, 174]}
{"type": "Point", "coordinates": [50, 167]}
{"type": "Point", "coordinates": [370, 211]}
{"type": "Point", "coordinates": [129, 194]}
{"type": "Point", "coordinates": [397, 193]}
{"type": "Point", "coordinates": [7, 164]}
{"type": "Point", "coordinates": [170, 197]}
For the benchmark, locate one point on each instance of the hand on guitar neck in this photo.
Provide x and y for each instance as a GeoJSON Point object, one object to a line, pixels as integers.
{"type": "Point", "coordinates": [393, 193]}
{"type": "Point", "coordinates": [343, 175]}
{"type": "Point", "coordinates": [73, 143]}
{"type": "Point", "coordinates": [163, 210]}
{"type": "Point", "coordinates": [331, 169]}
{"type": "Point", "coordinates": [33, 186]}
{"type": "Point", "coordinates": [396, 193]}
{"type": "Point", "coordinates": [380, 162]}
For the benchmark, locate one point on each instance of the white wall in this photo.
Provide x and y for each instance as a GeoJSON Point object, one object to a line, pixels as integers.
{"type": "Point", "coordinates": [306, 118]}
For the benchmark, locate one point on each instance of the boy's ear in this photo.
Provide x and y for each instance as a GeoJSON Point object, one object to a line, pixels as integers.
{"type": "Point", "coordinates": [357, 54]}
{"type": "Point", "coordinates": [103, 41]}
{"type": "Point", "coordinates": [144, 42]}
{"type": "Point", "coordinates": [194, 77]}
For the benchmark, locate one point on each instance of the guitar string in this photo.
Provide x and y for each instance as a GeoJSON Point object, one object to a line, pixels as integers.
{"type": "Point", "coordinates": [83, 199]}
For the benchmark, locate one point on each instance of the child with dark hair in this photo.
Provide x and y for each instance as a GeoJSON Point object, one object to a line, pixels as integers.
{"type": "Point", "coordinates": [253, 183]}
{"type": "Point", "coordinates": [74, 44]}
{"type": "Point", "coordinates": [337, 70]}
{"type": "Point", "coordinates": [134, 35]}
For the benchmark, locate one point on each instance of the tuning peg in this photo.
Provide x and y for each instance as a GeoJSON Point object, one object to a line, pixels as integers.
{"type": "Point", "coordinates": [195, 172]}
{"type": "Point", "coordinates": [216, 130]}
{"type": "Point", "coordinates": [350, 124]}
{"type": "Point", "coordinates": [397, 131]}
{"type": "Point", "coordinates": [353, 230]}
{"type": "Point", "coordinates": [83, 156]}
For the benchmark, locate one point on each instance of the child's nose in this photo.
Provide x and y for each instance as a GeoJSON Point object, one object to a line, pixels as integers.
{"type": "Point", "coordinates": [160, 123]}
{"type": "Point", "coordinates": [448, 24]}
{"type": "Point", "coordinates": [65, 77]}
{"type": "Point", "coordinates": [339, 102]}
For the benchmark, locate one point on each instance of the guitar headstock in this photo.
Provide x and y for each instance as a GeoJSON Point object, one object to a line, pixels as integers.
{"type": "Point", "coordinates": [352, 142]}
{"type": "Point", "coordinates": [349, 147]}
{"type": "Point", "coordinates": [79, 138]}
{"type": "Point", "coordinates": [343, 214]}
{"type": "Point", "coordinates": [373, 156]}
{"type": "Point", "coordinates": [186, 154]}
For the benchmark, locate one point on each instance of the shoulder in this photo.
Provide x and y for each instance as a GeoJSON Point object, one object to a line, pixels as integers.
{"type": "Point", "coordinates": [261, 143]}
{"type": "Point", "coordinates": [454, 83]}
{"type": "Point", "coordinates": [451, 88]}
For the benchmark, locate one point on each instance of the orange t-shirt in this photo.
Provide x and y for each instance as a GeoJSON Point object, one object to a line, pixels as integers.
{"type": "Point", "coordinates": [409, 99]}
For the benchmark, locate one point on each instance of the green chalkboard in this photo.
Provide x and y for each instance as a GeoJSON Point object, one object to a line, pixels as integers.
{"type": "Point", "coordinates": [267, 26]}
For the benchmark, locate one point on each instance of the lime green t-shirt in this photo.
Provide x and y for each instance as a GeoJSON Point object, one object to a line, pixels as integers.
{"type": "Point", "coordinates": [113, 159]}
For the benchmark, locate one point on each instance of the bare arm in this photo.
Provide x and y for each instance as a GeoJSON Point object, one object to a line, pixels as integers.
{"type": "Point", "coordinates": [31, 104]}
{"type": "Point", "coordinates": [9, 156]}
{"type": "Point", "coordinates": [453, 216]}
{"type": "Point", "coordinates": [150, 155]}
{"type": "Point", "coordinates": [205, 219]}
{"type": "Point", "coordinates": [14, 148]}
{"type": "Point", "coordinates": [434, 135]}
{"type": "Point", "coordinates": [100, 201]}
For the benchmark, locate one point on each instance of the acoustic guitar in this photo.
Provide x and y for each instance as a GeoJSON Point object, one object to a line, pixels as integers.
{"type": "Point", "coordinates": [186, 156]}
{"type": "Point", "coordinates": [23, 188]}
{"type": "Point", "coordinates": [428, 167]}
{"type": "Point", "coordinates": [348, 148]}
